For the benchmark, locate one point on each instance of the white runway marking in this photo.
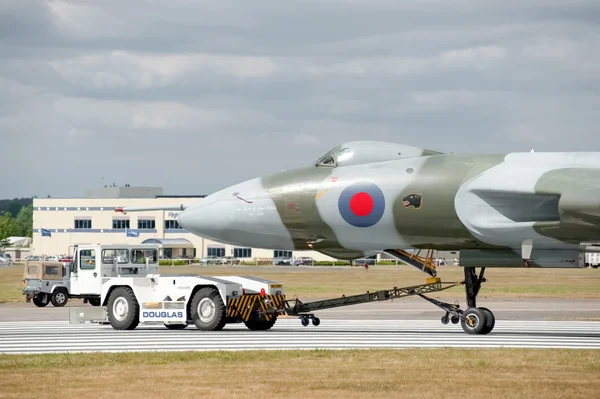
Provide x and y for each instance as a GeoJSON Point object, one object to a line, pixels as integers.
{"type": "Point", "coordinates": [55, 336]}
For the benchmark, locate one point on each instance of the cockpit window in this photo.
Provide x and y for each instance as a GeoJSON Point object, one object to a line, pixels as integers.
{"type": "Point", "coordinates": [327, 160]}
{"type": "Point", "coordinates": [344, 154]}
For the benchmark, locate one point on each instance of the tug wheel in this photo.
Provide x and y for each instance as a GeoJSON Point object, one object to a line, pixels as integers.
{"type": "Point", "coordinates": [208, 310]}
{"type": "Point", "coordinates": [304, 320]}
{"type": "Point", "coordinates": [316, 321]}
{"type": "Point", "coordinates": [123, 309]}
{"type": "Point", "coordinates": [261, 325]}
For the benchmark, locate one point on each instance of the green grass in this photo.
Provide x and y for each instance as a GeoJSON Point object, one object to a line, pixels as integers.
{"type": "Point", "coordinates": [347, 374]}
{"type": "Point", "coordinates": [321, 282]}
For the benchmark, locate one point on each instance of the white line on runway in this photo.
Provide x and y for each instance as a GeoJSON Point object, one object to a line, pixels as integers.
{"type": "Point", "coordinates": [53, 336]}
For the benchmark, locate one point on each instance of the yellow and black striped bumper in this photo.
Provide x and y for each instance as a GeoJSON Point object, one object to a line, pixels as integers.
{"type": "Point", "coordinates": [244, 306]}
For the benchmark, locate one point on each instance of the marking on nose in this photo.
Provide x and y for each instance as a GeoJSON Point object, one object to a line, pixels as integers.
{"type": "Point", "coordinates": [320, 194]}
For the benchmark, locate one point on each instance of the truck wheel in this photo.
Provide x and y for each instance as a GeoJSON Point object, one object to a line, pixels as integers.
{"type": "Point", "coordinates": [94, 301]}
{"type": "Point", "coordinates": [123, 309]}
{"type": "Point", "coordinates": [39, 301]}
{"type": "Point", "coordinates": [59, 297]}
{"type": "Point", "coordinates": [208, 311]}
{"type": "Point", "coordinates": [261, 325]}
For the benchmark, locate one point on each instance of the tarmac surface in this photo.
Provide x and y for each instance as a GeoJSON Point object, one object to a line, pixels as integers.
{"type": "Point", "coordinates": [60, 337]}
{"type": "Point", "coordinates": [400, 309]}
{"type": "Point", "coordinates": [404, 323]}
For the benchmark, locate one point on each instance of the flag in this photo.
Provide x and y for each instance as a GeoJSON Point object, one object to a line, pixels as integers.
{"type": "Point", "coordinates": [46, 233]}
{"type": "Point", "coordinates": [131, 233]}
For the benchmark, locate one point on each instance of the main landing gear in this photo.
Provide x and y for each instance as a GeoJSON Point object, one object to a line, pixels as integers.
{"type": "Point", "coordinates": [473, 320]}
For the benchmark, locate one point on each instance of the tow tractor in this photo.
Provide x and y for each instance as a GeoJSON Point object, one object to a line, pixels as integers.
{"type": "Point", "coordinates": [124, 285]}
{"type": "Point", "coordinates": [211, 302]}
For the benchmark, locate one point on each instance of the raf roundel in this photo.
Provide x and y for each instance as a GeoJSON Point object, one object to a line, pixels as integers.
{"type": "Point", "coordinates": [362, 204]}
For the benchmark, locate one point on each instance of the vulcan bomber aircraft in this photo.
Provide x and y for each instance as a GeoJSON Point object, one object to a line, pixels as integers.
{"type": "Point", "coordinates": [530, 209]}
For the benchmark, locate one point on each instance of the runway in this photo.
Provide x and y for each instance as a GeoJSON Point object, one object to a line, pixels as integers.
{"type": "Point", "coordinates": [60, 337]}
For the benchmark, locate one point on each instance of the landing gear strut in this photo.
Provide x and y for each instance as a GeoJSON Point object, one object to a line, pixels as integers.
{"type": "Point", "coordinates": [475, 320]}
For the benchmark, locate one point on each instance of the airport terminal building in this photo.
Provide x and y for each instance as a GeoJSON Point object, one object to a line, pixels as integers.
{"type": "Point", "coordinates": [61, 222]}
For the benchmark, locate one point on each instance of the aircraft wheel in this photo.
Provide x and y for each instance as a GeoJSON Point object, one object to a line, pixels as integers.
{"type": "Point", "coordinates": [474, 321]}
{"type": "Point", "coordinates": [59, 297]}
{"type": "Point", "coordinates": [208, 310]}
{"type": "Point", "coordinates": [490, 320]}
{"type": "Point", "coordinates": [38, 301]}
{"type": "Point", "coordinates": [176, 326]}
{"type": "Point", "coordinates": [260, 325]}
{"type": "Point", "coordinates": [123, 309]}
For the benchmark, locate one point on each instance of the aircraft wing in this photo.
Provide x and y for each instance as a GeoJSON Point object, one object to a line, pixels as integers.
{"type": "Point", "coordinates": [126, 209]}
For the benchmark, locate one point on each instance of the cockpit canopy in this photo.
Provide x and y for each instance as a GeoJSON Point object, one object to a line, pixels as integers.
{"type": "Point", "coordinates": [362, 152]}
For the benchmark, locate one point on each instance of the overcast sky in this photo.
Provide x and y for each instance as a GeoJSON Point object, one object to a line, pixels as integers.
{"type": "Point", "coordinates": [196, 95]}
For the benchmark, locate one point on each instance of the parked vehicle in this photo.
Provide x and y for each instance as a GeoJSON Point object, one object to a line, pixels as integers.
{"type": "Point", "coordinates": [5, 260]}
{"type": "Point", "coordinates": [282, 261]}
{"type": "Point", "coordinates": [304, 260]}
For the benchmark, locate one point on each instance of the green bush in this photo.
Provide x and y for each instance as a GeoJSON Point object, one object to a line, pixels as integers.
{"type": "Point", "coordinates": [173, 262]}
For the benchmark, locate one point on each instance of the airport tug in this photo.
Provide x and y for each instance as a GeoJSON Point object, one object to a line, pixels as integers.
{"type": "Point", "coordinates": [124, 286]}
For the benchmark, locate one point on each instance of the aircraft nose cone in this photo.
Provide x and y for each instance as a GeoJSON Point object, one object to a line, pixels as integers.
{"type": "Point", "coordinates": [208, 221]}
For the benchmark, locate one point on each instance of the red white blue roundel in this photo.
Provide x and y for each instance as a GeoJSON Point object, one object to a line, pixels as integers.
{"type": "Point", "coordinates": [362, 204]}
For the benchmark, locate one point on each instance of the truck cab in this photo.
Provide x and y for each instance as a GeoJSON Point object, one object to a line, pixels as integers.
{"type": "Point", "coordinates": [91, 265]}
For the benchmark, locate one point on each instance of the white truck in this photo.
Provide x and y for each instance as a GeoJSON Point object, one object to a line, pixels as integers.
{"type": "Point", "coordinates": [56, 282]}
{"type": "Point", "coordinates": [125, 280]}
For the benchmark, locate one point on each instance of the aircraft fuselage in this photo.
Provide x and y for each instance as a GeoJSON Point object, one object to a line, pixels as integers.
{"type": "Point", "coordinates": [440, 201]}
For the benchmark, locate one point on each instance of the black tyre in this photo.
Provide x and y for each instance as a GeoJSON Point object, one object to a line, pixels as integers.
{"type": "Point", "coordinates": [490, 320]}
{"type": "Point", "coordinates": [208, 310]}
{"type": "Point", "coordinates": [475, 322]}
{"type": "Point", "coordinates": [38, 300]}
{"type": "Point", "coordinates": [59, 297]}
{"type": "Point", "coordinates": [261, 325]}
{"type": "Point", "coordinates": [94, 301]}
{"type": "Point", "coordinates": [123, 309]}
{"type": "Point", "coordinates": [176, 326]}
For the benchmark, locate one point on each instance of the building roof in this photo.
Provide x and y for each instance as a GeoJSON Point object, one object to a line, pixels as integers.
{"type": "Point", "coordinates": [169, 242]}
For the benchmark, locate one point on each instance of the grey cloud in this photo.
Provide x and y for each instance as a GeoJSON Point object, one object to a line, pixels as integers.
{"type": "Point", "coordinates": [194, 96]}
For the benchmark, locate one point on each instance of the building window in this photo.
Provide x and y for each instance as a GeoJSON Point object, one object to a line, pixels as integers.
{"type": "Point", "coordinates": [146, 224]}
{"type": "Point", "coordinates": [83, 223]}
{"type": "Point", "coordinates": [120, 224]}
{"type": "Point", "coordinates": [242, 252]}
{"type": "Point", "coordinates": [171, 224]}
{"type": "Point", "coordinates": [282, 254]}
{"type": "Point", "coordinates": [216, 251]}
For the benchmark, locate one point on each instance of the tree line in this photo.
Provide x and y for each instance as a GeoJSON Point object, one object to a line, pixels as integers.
{"type": "Point", "coordinates": [16, 218]}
